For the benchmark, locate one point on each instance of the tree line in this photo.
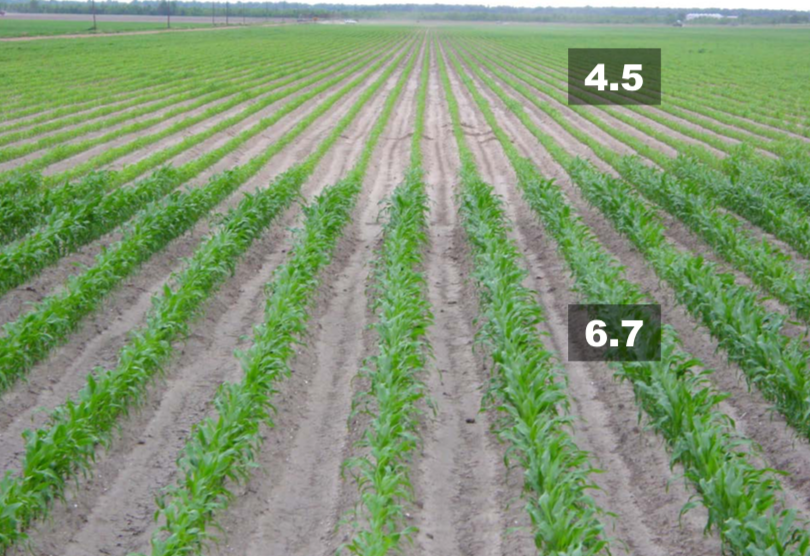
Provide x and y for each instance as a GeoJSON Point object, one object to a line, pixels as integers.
{"type": "Point", "coordinates": [469, 12]}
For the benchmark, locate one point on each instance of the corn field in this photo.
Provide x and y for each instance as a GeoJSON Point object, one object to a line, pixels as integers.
{"type": "Point", "coordinates": [303, 290]}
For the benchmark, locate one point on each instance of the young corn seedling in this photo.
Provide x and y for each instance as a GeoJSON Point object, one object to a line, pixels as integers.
{"type": "Point", "coordinates": [19, 216]}
{"type": "Point", "coordinates": [751, 335]}
{"type": "Point", "coordinates": [225, 448]}
{"type": "Point", "coordinates": [764, 263]}
{"type": "Point", "coordinates": [742, 500]}
{"type": "Point", "coordinates": [66, 447]}
{"type": "Point", "coordinates": [394, 372]}
{"type": "Point", "coordinates": [31, 337]}
{"type": "Point", "coordinates": [527, 385]}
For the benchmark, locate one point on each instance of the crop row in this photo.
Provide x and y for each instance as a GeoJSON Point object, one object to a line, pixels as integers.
{"type": "Point", "coordinates": [122, 92]}
{"type": "Point", "coordinates": [743, 501]}
{"type": "Point", "coordinates": [789, 174]}
{"type": "Point", "coordinates": [66, 447]}
{"type": "Point", "coordinates": [143, 105]}
{"type": "Point", "coordinates": [152, 61]}
{"type": "Point", "coordinates": [22, 213]}
{"type": "Point", "coordinates": [691, 201]}
{"type": "Point", "coordinates": [793, 164]}
{"type": "Point", "coordinates": [690, 95]}
{"type": "Point", "coordinates": [251, 82]}
{"type": "Point", "coordinates": [751, 335]}
{"type": "Point", "coordinates": [235, 96]}
{"type": "Point", "coordinates": [86, 218]}
{"type": "Point", "coordinates": [793, 150]}
{"type": "Point", "coordinates": [393, 374]}
{"type": "Point", "coordinates": [225, 447]}
{"type": "Point", "coordinates": [527, 384]}
{"type": "Point", "coordinates": [30, 338]}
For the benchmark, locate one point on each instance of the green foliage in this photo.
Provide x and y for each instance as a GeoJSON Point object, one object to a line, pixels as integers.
{"type": "Point", "coordinates": [66, 446]}
{"type": "Point", "coordinates": [527, 386]}
{"type": "Point", "coordinates": [742, 500]}
{"type": "Point", "coordinates": [749, 333]}
{"type": "Point", "coordinates": [393, 373]}
{"type": "Point", "coordinates": [31, 337]}
{"type": "Point", "coordinates": [87, 212]}
{"type": "Point", "coordinates": [224, 448]}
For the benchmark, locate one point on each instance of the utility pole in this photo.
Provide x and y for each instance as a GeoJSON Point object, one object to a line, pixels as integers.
{"type": "Point", "coordinates": [227, 12]}
{"type": "Point", "coordinates": [213, 14]}
{"type": "Point", "coordinates": [168, 15]}
{"type": "Point", "coordinates": [95, 28]}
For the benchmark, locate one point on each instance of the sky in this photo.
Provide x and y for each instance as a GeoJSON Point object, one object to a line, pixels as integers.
{"type": "Point", "coordinates": [803, 5]}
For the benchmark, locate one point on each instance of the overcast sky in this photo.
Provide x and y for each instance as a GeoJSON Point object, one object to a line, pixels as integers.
{"type": "Point", "coordinates": [697, 4]}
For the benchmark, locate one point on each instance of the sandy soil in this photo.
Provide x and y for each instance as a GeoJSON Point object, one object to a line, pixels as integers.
{"type": "Point", "coordinates": [466, 503]}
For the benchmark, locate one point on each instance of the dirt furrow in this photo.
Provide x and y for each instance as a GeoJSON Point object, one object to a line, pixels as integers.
{"type": "Point", "coordinates": [301, 513]}
{"type": "Point", "coordinates": [221, 137]}
{"type": "Point", "coordinates": [462, 489]}
{"type": "Point", "coordinates": [748, 121]}
{"type": "Point", "coordinates": [62, 129]}
{"type": "Point", "coordinates": [676, 231]}
{"type": "Point", "coordinates": [125, 96]}
{"type": "Point", "coordinates": [686, 123]}
{"type": "Point", "coordinates": [84, 156]}
{"type": "Point", "coordinates": [63, 165]}
{"type": "Point", "coordinates": [636, 116]}
{"type": "Point", "coordinates": [80, 107]}
{"type": "Point", "coordinates": [18, 300]}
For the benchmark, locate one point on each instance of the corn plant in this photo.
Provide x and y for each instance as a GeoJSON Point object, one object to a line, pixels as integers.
{"type": "Point", "coordinates": [527, 385]}
{"type": "Point", "coordinates": [733, 314]}
{"type": "Point", "coordinates": [395, 387]}
{"type": "Point", "coordinates": [743, 501]}
{"type": "Point", "coordinates": [83, 220]}
{"type": "Point", "coordinates": [337, 70]}
{"type": "Point", "coordinates": [765, 264]}
{"type": "Point", "coordinates": [20, 185]}
{"type": "Point", "coordinates": [145, 104]}
{"type": "Point", "coordinates": [66, 447]}
{"type": "Point", "coordinates": [31, 337]}
{"type": "Point", "coordinates": [61, 203]}
{"type": "Point", "coordinates": [750, 334]}
{"type": "Point", "coordinates": [224, 448]}
{"type": "Point", "coordinates": [233, 94]}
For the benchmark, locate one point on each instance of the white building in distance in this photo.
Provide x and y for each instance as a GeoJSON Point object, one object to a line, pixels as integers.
{"type": "Point", "coordinates": [710, 16]}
